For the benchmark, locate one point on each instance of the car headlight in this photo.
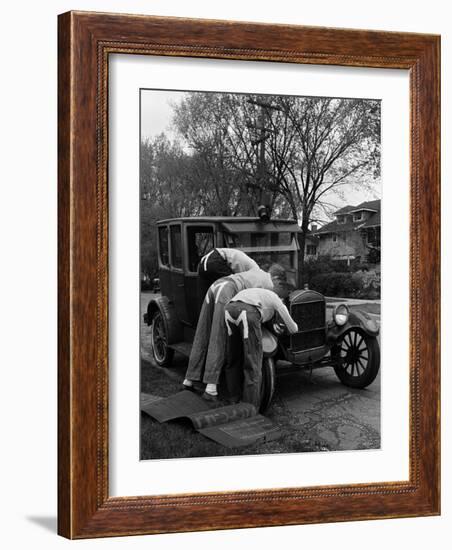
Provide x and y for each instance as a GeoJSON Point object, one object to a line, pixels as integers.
{"type": "Point", "coordinates": [340, 314]}
{"type": "Point", "coordinates": [372, 325]}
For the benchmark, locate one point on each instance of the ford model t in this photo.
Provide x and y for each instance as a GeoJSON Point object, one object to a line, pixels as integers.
{"type": "Point", "coordinates": [347, 342]}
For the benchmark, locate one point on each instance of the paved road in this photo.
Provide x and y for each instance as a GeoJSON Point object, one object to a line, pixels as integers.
{"type": "Point", "coordinates": [330, 414]}
{"type": "Point", "coordinates": [314, 406]}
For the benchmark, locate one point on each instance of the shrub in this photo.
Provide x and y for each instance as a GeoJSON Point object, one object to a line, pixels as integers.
{"type": "Point", "coordinates": [363, 284]}
{"type": "Point", "coordinates": [374, 255]}
{"type": "Point", "coordinates": [315, 266]}
{"type": "Point", "coordinates": [369, 284]}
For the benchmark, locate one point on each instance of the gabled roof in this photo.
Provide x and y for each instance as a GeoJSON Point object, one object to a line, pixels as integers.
{"type": "Point", "coordinates": [374, 206]}
{"type": "Point", "coordinates": [344, 210]}
{"type": "Point", "coordinates": [335, 227]}
{"type": "Point", "coordinates": [350, 225]}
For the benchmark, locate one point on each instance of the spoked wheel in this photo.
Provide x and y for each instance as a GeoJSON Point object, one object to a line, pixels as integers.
{"type": "Point", "coordinates": [357, 359]}
{"type": "Point", "coordinates": [267, 383]}
{"type": "Point", "coordinates": [163, 355]}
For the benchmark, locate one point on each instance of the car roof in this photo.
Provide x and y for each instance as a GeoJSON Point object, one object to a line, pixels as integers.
{"type": "Point", "coordinates": [225, 219]}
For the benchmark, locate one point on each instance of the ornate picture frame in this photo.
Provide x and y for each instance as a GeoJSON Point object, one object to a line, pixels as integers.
{"type": "Point", "coordinates": [86, 40]}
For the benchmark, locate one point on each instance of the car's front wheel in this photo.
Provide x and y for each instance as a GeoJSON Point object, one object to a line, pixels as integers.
{"type": "Point", "coordinates": [356, 358]}
{"type": "Point", "coordinates": [163, 354]}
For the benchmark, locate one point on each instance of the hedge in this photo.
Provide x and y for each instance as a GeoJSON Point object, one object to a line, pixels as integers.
{"type": "Point", "coordinates": [362, 284]}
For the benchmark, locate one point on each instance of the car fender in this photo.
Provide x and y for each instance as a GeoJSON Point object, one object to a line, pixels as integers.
{"type": "Point", "coordinates": [356, 319]}
{"type": "Point", "coordinates": [269, 343]}
{"type": "Point", "coordinates": [166, 308]}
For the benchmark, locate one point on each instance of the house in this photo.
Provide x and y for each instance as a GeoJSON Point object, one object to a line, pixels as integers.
{"type": "Point", "coordinates": [311, 245]}
{"type": "Point", "coordinates": [353, 235]}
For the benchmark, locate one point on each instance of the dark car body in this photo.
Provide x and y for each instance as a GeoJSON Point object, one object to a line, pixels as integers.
{"type": "Point", "coordinates": [183, 241]}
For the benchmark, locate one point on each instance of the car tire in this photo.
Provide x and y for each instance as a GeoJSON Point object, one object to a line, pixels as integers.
{"type": "Point", "coordinates": [357, 358]}
{"type": "Point", "coordinates": [267, 383]}
{"type": "Point", "coordinates": [163, 354]}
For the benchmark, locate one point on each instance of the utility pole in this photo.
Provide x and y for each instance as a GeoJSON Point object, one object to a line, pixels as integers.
{"type": "Point", "coordinates": [259, 142]}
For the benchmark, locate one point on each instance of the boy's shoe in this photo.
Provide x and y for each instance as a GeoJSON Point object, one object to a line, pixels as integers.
{"type": "Point", "coordinates": [195, 386]}
{"type": "Point", "coordinates": [210, 397]}
{"type": "Point", "coordinates": [233, 400]}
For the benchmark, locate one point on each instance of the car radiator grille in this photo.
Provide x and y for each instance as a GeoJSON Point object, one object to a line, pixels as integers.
{"type": "Point", "coordinates": [310, 318]}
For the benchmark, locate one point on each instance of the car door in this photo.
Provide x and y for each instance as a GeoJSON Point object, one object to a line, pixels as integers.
{"type": "Point", "coordinates": [164, 261]}
{"type": "Point", "coordinates": [200, 239]}
{"type": "Point", "coordinates": [177, 272]}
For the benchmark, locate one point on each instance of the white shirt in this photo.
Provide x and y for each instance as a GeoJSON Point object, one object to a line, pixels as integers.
{"type": "Point", "coordinates": [267, 302]}
{"type": "Point", "coordinates": [237, 260]}
{"type": "Point", "coordinates": [253, 278]}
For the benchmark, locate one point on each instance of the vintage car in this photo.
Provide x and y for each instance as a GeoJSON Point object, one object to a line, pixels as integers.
{"type": "Point", "coordinates": [348, 342]}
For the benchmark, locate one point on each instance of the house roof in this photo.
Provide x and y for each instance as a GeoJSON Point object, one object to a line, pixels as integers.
{"type": "Point", "coordinates": [344, 210]}
{"type": "Point", "coordinates": [374, 205]}
{"type": "Point", "coordinates": [350, 225]}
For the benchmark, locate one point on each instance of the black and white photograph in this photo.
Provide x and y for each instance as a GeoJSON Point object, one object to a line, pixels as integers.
{"type": "Point", "coordinates": [260, 274]}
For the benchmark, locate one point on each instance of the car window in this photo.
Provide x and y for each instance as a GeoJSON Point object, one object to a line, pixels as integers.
{"type": "Point", "coordinates": [176, 246]}
{"type": "Point", "coordinates": [200, 242]}
{"type": "Point", "coordinates": [163, 245]}
{"type": "Point", "coordinates": [245, 240]}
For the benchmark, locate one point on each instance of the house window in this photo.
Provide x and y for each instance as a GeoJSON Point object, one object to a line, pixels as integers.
{"type": "Point", "coordinates": [334, 237]}
{"type": "Point", "coordinates": [341, 219]}
{"type": "Point", "coordinates": [357, 217]}
{"type": "Point", "coordinates": [311, 250]}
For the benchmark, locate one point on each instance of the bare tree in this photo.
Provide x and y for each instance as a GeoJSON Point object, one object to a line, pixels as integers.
{"type": "Point", "coordinates": [238, 151]}
{"type": "Point", "coordinates": [333, 142]}
{"type": "Point", "coordinates": [228, 133]}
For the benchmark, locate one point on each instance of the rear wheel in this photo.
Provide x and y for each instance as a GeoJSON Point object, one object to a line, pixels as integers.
{"type": "Point", "coordinates": [267, 383]}
{"type": "Point", "coordinates": [163, 354]}
{"type": "Point", "coordinates": [357, 358]}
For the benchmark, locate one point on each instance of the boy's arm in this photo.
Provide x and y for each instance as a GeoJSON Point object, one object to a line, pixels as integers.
{"type": "Point", "coordinates": [291, 325]}
{"type": "Point", "coordinates": [249, 262]}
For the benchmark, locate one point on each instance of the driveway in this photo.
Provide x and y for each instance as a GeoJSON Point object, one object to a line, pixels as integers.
{"type": "Point", "coordinates": [313, 407]}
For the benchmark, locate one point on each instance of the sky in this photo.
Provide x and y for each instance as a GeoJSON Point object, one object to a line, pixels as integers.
{"type": "Point", "coordinates": [156, 111]}
{"type": "Point", "coordinates": [156, 114]}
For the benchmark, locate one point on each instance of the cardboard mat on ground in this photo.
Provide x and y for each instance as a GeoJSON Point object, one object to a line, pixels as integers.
{"type": "Point", "coordinates": [231, 425]}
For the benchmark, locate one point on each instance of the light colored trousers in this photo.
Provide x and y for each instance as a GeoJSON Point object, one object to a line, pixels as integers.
{"type": "Point", "coordinates": [208, 354]}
